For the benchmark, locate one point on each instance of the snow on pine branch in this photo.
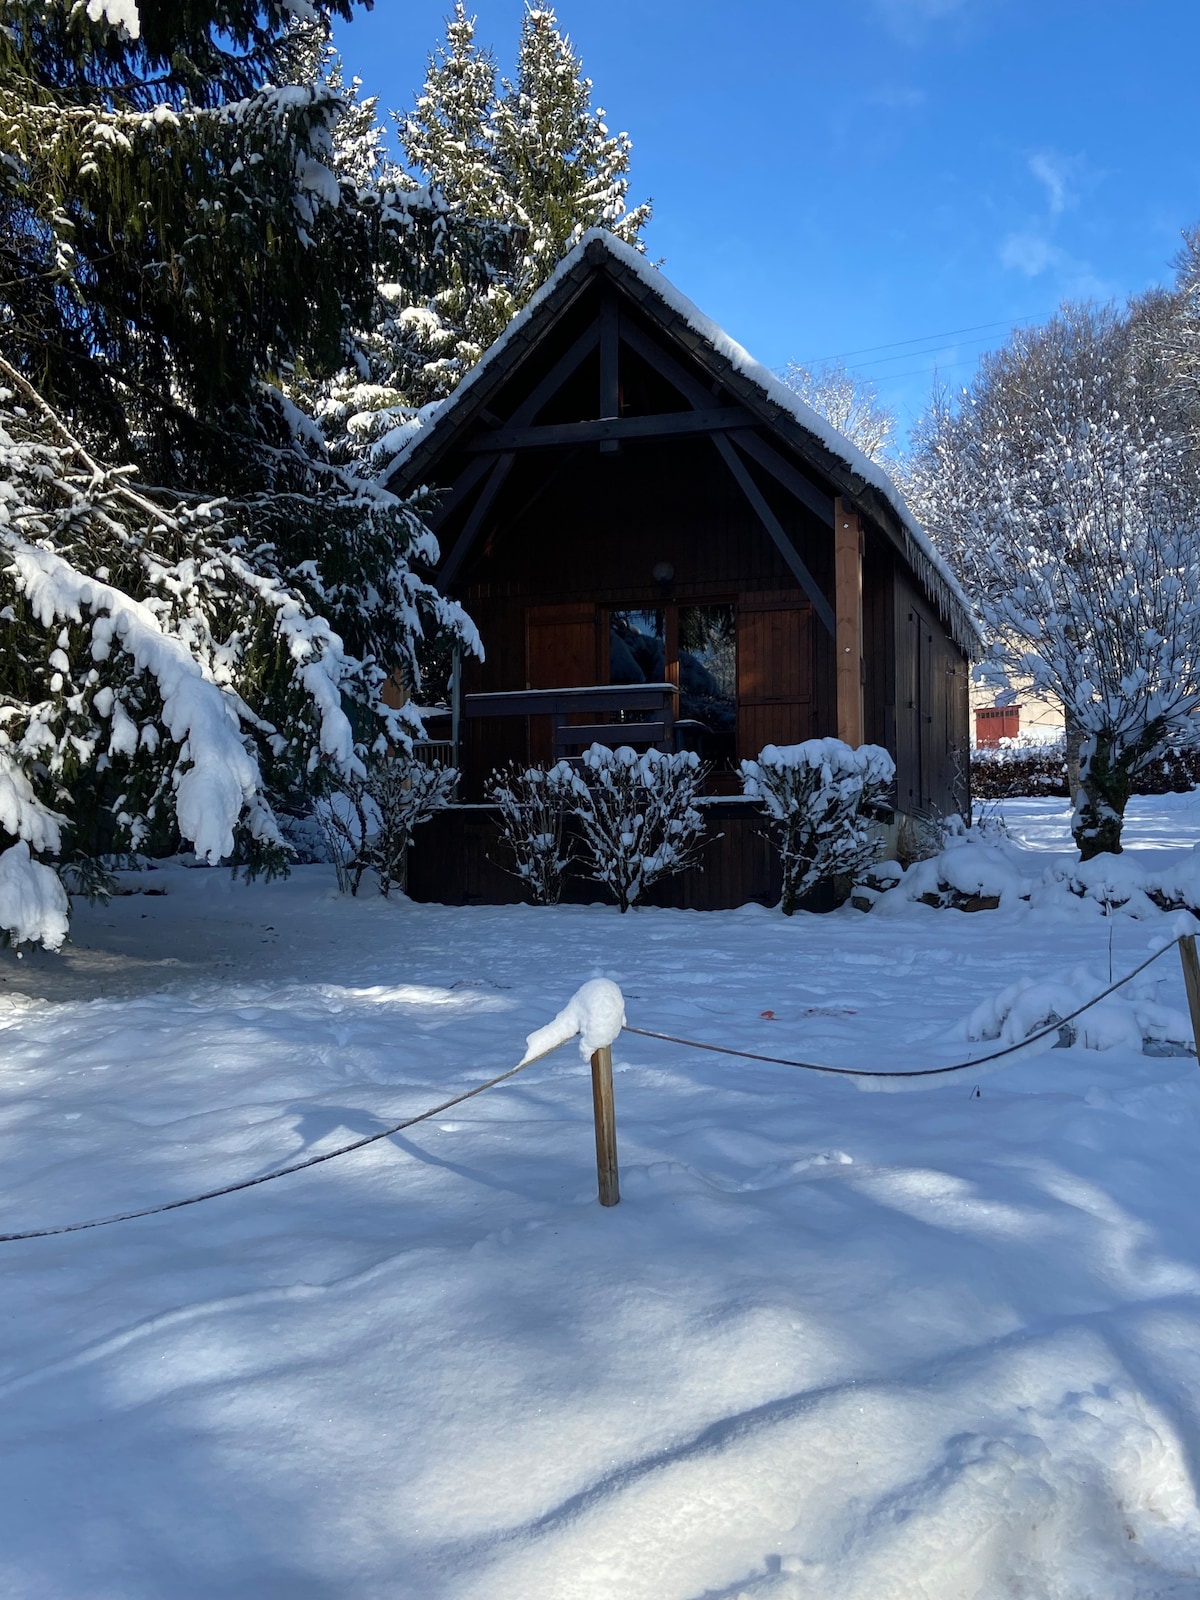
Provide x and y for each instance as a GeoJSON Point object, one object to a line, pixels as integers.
{"type": "Point", "coordinates": [148, 663]}
{"type": "Point", "coordinates": [217, 776]}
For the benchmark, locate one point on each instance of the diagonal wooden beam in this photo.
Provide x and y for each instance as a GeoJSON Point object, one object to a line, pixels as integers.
{"type": "Point", "coordinates": [697, 395]}
{"type": "Point", "coordinates": [462, 545]}
{"type": "Point", "coordinates": [665, 364]}
{"type": "Point", "coordinates": [775, 528]}
{"type": "Point", "coordinates": [525, 412]}
{"type": "Point", "coordinates": [556, 377]}
{"type": "Point", "coordinates": [463, 484]}
{"type": "Point", "coordinates": [821, 505]}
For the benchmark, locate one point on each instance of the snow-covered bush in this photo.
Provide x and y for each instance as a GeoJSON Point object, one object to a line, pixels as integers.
{"type": "Point", "coordinates": [637, 817]}
{"type": "Point", "coordinates": [533, 802]}
{"type": "Point", "coordinates": [369, 820]}
{"type": "Point", "coordinates": [821, 797]}
{"type": "Point", "coordinates": [1025, 767]}
{"type": "Point", "coordinates": [1131, 1019]}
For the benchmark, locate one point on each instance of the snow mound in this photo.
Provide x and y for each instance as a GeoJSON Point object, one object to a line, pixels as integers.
{"type": "Point", "coordinates": [1127, 1018]}
{"type": "Point", "coordinates": [596, 1012]}
{"type": "Point", "coordinates": [973, 868]}
{"type": "Point", "coordinates": [967, 868]}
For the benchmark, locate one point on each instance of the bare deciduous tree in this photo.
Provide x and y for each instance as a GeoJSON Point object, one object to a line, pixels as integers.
{"type": "Point", "coordinates": [850, 403]}
{"type": "Point", "coordinates": [1076, 526]}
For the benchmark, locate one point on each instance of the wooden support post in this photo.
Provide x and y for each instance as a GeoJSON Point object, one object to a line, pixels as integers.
{"type": "Point", "coordinates": [606, 1126]}
{"type": "Point", "coordinates": [1191, 980]}
{"type": "Point", "coordinates": [847, 581]}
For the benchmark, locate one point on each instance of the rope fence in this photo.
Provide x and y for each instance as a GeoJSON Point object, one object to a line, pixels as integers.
{"type": "Point", "coordinates": [919, 1072]}
{"type": "Point", "coordinates": [602, 1091]}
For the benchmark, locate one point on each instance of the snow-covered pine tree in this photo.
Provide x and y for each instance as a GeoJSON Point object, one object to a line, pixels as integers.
{"type": "Point", "coordinates": [514, 182]}
{"type": "Point", "coordinates": [448, 136]}
{"type": "Point", "coordinates": [561, 171]}
{"type": "Point", "coordinates": [174, 237]}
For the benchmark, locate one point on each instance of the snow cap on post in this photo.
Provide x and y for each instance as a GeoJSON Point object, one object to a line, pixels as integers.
{"type": "Point", "coordinates": [596, 1012]}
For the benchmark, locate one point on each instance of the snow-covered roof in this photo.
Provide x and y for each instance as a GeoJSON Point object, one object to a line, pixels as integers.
{"type": "Point", "coordinates": [919, 550]}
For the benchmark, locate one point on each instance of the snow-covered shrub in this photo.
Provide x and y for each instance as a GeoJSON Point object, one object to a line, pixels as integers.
{"type": "Point", "coordinates": [533, 802]}
{"type": "Point", "coordinates": [637, 816]}
{"type": "Point", "coordinates": [33, 902]}
{"type": "Point", "coordinates": [820, 796]}
{"type": "Point", "coordinates": [369, 821]}
{"type": "Point", "coordinates": [1018, 767]}
{"type": "Point", "coordinates": [1025, 767]}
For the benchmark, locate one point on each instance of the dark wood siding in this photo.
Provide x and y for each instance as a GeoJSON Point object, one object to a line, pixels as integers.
{"type": "Point", "coordinates": [776, 703]}
{"type": "Point", "coordinates": [879, 645]}
{"type": "Point", "coordinates": [932, 742]}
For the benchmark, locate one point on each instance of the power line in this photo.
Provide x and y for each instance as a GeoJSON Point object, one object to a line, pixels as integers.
{"type": "Point", "coordinates": [921, 338]}
{"type": "Point", "coordinates": [907, 355]}
{"type": "Point", "coordinates": [915, 372]}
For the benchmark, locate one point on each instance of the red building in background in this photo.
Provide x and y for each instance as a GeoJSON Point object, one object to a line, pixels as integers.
{"type": "Point", "coordinates": [993, 723]}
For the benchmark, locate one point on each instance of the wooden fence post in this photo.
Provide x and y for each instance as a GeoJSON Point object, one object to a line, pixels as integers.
{"type": "Point", "coordinates": [1191, 979]}
{"type": "Point", "coordinates": [606, 1126]}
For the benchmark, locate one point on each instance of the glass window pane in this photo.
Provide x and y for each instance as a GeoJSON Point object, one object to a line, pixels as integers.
{"type": "Point", "coordinates": [708, 677]}
{"type": "Point", "coordinates": [636, 647]}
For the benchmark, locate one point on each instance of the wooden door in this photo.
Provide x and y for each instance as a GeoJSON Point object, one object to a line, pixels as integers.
{"type": "Point", "coordinates": [562, 651]}
{"type": "Point", "coordinates": [775, 672]}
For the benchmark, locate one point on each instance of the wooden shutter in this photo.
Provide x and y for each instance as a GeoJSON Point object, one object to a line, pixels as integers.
{"type": "Point", "coordinates": [776, 703]}
{"type": "Point", "coordinates": [561, 646]}
{"type": "Point", "coordinates": [562, 651]}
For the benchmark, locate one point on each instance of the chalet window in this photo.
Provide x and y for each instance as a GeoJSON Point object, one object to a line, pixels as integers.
{"type": "Point", "coordinates": [637, 647]}
{"type": "Point", "coordinates": [707, 677]}
{"type": "Point", "coordinates": [695, 647]}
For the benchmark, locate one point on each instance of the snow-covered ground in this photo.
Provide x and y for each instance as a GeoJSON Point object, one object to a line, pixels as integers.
{"type": "Point", "coordinates": [831, 1344]}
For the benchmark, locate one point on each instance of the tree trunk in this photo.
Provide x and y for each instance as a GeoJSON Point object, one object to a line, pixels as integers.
{"type": "Point", "coordinates": [1104, 786]}
{"type": "Point", "coordinates": [1074, 750]}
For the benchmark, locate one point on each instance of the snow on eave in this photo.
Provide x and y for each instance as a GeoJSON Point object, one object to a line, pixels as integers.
{"type": "Point", "coordinates": [927, 565]}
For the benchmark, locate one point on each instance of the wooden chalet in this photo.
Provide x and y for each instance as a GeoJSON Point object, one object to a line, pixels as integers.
{"type": "Point", "coordinates": [659, 543]}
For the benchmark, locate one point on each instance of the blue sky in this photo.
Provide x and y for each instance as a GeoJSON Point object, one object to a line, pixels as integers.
{"type": "Point", "coordinates": [868, 178]}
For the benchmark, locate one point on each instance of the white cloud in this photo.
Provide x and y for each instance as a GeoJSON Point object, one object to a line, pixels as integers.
{"type": "Point", "coordinates": [1054, 172]}
{"type": "Point", "coordinates": [1030, 254]}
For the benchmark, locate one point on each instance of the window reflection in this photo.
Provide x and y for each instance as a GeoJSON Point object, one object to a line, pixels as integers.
{"type": "Point", "coordinates": [708, 678]}
{"type": "Point", "coordinates": [705, 653]}
{"type": "Point", "coordinates": [637, 647]}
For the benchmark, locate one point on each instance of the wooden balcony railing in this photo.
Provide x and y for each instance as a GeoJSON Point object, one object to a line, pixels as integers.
{"type": "Point", "coordinates": [637, 714]}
